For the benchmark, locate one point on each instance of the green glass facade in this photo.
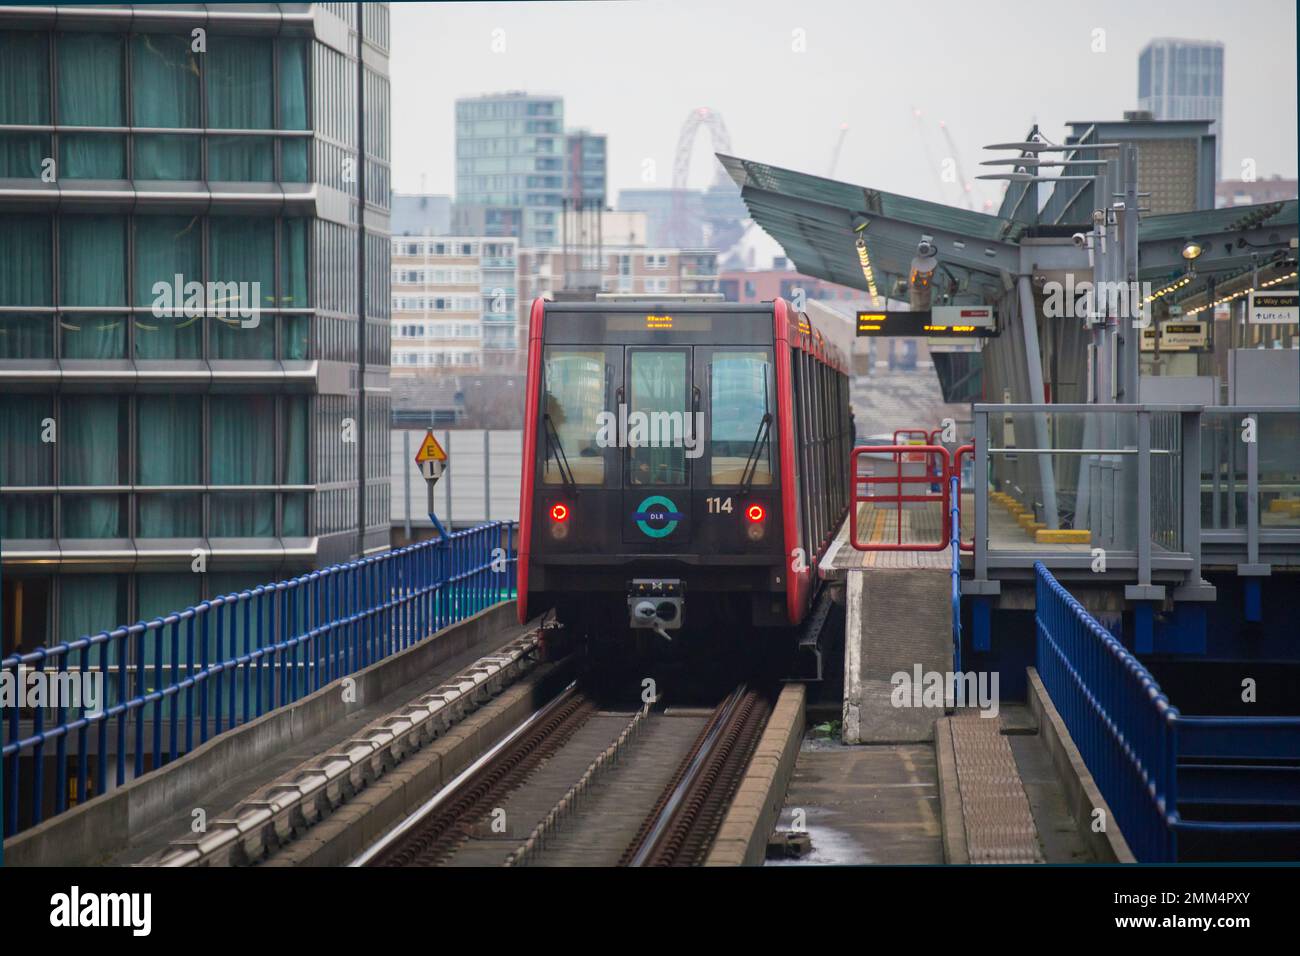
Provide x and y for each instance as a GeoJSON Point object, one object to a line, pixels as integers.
{"type": "Point", "coordinates": [157, 448]}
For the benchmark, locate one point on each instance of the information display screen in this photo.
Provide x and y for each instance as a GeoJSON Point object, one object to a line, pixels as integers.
{"type": "Point", "coordinates": [659, 322]}
{"type": "Point", "coordinates": [944, 322]}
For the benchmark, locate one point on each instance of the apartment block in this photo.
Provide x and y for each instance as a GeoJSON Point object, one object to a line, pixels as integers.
{"type": "Point", "coordinates": [453, 303]}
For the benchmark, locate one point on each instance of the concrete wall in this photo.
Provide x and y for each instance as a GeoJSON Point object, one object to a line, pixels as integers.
{"type": "Point", "coordinates": [896, 618]}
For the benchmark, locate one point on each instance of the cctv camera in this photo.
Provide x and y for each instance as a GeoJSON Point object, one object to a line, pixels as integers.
{"type": "Point", "coordinates": [1080, 240]}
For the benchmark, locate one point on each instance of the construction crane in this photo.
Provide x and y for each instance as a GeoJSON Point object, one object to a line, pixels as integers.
{"type": "Point", "coordinates": [963, 185]}
{"type": "Point", "coordinates": [962, 182]}
{"type": "Point", "coordinates": [835, 153]}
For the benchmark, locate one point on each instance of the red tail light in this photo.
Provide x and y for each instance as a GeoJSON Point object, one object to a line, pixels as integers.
{"type": "Point", "coordinates": [754, 513]}
{"type": "Point", "coordinates": [559, 513]}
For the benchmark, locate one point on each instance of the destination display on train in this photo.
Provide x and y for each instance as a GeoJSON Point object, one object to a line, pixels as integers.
{"type": "Point", "coordinates": [942, 321]}
{"type": "Point", "coordinates": [659, 322]}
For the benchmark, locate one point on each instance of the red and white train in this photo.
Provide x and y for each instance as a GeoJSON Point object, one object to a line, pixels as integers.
{"type": "Point", "coordinates": [686, 465]}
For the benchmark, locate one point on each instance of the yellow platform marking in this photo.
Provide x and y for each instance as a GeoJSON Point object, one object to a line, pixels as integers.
{"type": "Point", "coordinates": [1063, 536]}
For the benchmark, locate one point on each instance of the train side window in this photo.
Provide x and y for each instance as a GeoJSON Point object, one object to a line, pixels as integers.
{"type": "Point", "coordinates": [574, 399]}
{"type": "Point", "coordinates": [659, 404]}
{"type": "Point", "coordinates": [740, 394]}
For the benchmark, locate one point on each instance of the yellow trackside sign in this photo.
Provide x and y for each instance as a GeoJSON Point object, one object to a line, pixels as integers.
{"type": "Point", "coordinates": [430, 450]}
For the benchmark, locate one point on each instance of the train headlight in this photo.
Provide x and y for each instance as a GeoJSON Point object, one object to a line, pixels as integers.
{"type": "Point", "coordinates": [756, 527]}
{"type": "Point", "coordinates": [559, 521]}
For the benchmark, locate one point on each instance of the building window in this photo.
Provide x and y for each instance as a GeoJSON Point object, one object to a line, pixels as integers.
{"type": "Point", "coordinates": [294, 283]}
{"type": "Point", "coordinates": [88, 601]}
{"type": "Point", "coordinates": [167, 157]}
{"type": "Point", "coordinates": [170, 430]}
{"type": "Point", "coordinates": [242, 456]}
{"type": "Point", "coordinates": [165, 247]}
{"type": "Point", "coordinates": [28, 461]}
{"type": "Point", "coordinates": [295, 88]}
{"type": "Point", "coordinates": [91, 93]}
{"type": "Point", "coordinates": [26, 261]}
{"type": "Point", "coordinates": [165, 93]}
{"type": "Point", "coordinates": [238, 77]}
{"type": "Point", "coordinates": [24, 77]}
{"type": "Point", "coordinates": [164, 82]}
{"type": "Point", "coordinates": [24, 98]}
{"type": "Point", "coordinates": [100, 422]}
{"type": "Point", "coordinates": [92, 272]}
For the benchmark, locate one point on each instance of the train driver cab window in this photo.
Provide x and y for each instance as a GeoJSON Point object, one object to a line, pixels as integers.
{"type": "Point", "coordinates": [574, 398]}
{"type": "Point", "coordinates": [659, 392]}
{"type": "Point", "coordinates": [742, 418]}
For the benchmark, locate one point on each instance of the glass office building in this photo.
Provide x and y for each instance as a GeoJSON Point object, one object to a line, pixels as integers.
{"type": "Point", "coordinates": [190, 400]}
{"type": "Point", "coordinates": [1183, 80]}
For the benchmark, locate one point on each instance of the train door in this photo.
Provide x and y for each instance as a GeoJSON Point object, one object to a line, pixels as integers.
{"type": "Point", "coordinates": [657, 416]}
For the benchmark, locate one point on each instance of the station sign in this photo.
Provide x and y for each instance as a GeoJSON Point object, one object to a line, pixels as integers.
{"type": "Point", "coordinates": [1274, 308]}
{"type": "Point", "coordinates": [954, 345]}
{"type": "Point", "coordinates": [1178, 336]}
{"type": "Point", "coordinates": [942, 321]}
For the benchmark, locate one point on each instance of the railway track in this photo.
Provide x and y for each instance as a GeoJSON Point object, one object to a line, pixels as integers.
{"type": "Point", "coordinates": [580, 785]}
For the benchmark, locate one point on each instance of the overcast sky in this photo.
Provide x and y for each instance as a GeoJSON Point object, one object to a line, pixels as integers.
{"type": "Point", "coordinates": [785, 75]}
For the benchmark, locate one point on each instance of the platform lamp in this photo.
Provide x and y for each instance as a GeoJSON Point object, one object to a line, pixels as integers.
{"type": "Point", "coordinates": [864, 259]}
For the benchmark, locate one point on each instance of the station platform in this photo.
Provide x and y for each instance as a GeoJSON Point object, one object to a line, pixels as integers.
{"type": "Point", "coordinates": [880, 524]}
{"type": "Point", "coordinates": [923, 774]}
{"type": "Point", "coordinates": [898, 617]}
{"type": "Point", "coordinates": [986, 791]}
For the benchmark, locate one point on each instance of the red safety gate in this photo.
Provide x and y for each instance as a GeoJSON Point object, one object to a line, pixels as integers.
{"type": "Point", "coordinates": [938, 469]}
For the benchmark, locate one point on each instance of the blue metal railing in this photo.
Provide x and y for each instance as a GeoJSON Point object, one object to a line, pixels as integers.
{"type": "Point", "coordinates": [1139, 747]}
{"type": "Point", "coordinates": [204, 670]}
{"type": "Point", "coordinates": [1124, 726]}
{"type": "Point", "coordinates": [954, 514]}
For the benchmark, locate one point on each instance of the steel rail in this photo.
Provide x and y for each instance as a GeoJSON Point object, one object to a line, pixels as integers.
{"type": "Point", "coordinates": [439, 834]}
{"type": "Point", "coordinates": [293, 802]}
{"type": "Point", "coordinates": [649, 841]}
{"type": "Point", "coordinates": [569, 802]}
{"type": "Point", "coordinates": [415, 816]}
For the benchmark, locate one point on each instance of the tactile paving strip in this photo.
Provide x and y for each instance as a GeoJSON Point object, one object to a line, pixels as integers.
{"type": "Point", "coordinates": [879, 525]}
{"type": "Point", "coordinates": [999, 824]}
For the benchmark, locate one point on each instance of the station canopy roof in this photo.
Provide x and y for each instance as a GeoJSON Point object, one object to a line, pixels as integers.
{"type": "Point", "coordinates": [1234, 238]}
{"type": "Point", "coordinates": [817, 220]}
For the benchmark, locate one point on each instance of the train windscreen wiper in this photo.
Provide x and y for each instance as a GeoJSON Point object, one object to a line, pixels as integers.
{"type": "Point", "coordinates": [561, 460]}
{"type": "Point", "coordinates": [751, 463]}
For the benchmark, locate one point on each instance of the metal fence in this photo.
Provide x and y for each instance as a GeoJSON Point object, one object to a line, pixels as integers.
{"type": "Point", "coordinates": [1158, 487]}
{"type": "Point", "coordinates": [1144, 754]}
{"type": "Point", "coordinates": [203, 670]}
{"type": "Point", "coordinates": [1124, 727]}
